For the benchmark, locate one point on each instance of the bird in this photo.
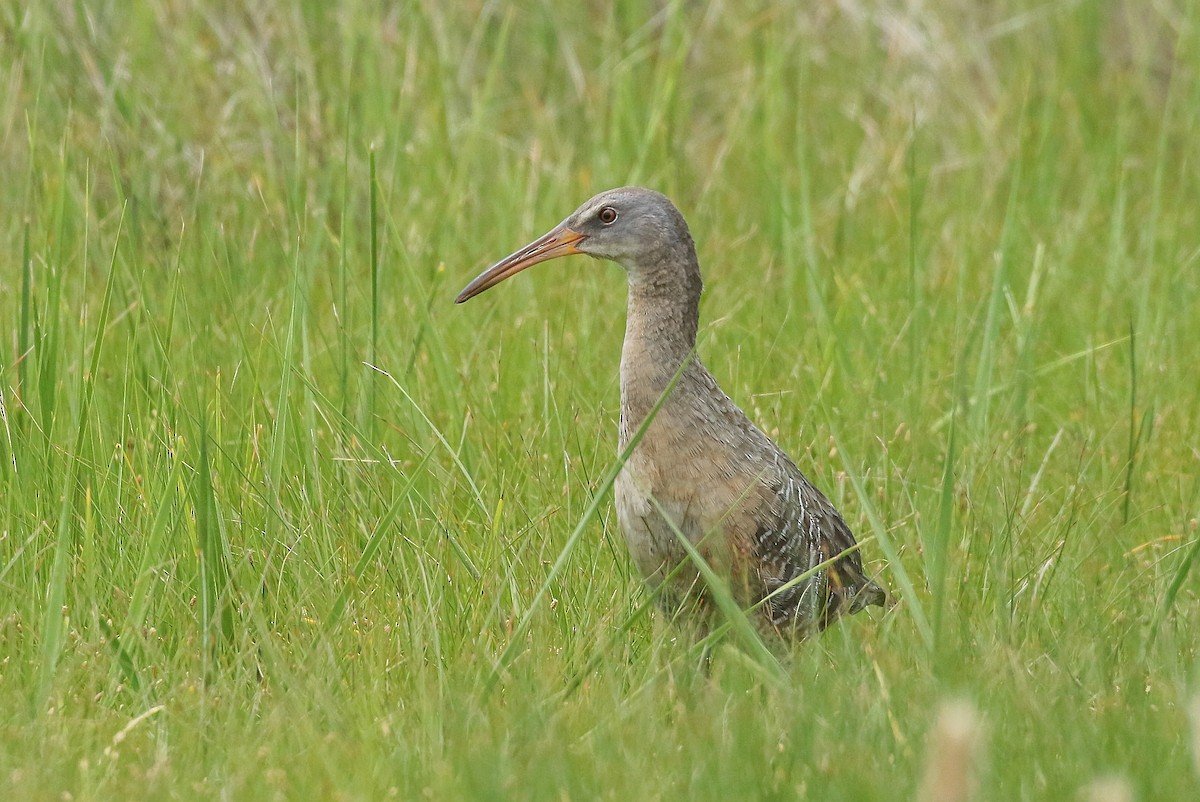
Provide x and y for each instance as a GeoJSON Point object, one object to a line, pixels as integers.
{"type": "Point", "coordinates": [702, 469]}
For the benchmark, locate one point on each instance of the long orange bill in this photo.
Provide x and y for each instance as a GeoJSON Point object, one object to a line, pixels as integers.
{"type": "Point", "coordinates": [560, 241]}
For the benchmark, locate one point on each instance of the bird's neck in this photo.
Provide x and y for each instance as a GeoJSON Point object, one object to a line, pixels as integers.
{"type": "Point", "coordinates": [660, 333]}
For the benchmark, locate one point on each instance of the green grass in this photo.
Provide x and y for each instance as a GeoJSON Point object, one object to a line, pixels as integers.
{"type": "Point", "coordinates": [278, 520]}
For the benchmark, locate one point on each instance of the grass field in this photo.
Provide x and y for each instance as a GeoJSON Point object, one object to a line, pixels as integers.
{"type": "Point", "coordinates": [279, 521]}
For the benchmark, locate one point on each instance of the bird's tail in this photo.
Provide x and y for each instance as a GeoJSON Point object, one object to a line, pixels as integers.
{"type": "Point", "coordinates": [866, 595]}
{"type": "Point", "coordinates": [850, 592]}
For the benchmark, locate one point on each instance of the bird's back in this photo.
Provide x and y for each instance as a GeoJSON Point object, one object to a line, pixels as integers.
{"type": "Point", "coordinates": [744, 503]}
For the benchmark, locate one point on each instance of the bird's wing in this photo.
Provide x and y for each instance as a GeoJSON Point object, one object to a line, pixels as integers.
{"type": "Point", "coordinates": [798, 530]}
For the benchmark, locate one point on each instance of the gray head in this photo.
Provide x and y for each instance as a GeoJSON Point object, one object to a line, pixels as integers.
{"type": "Point", "coordinates": [630, 225]}
{"type": "Point", "coordinates": [638, 228]}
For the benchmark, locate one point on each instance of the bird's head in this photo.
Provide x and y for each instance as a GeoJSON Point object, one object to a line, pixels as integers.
{"type": "Point", "coordinates": [638, 228]}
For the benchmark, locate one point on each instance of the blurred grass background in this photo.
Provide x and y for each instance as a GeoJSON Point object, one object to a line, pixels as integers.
{"type": "Point", "coordinates": [271, 507]}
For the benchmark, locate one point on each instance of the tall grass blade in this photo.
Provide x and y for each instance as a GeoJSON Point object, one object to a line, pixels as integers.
{"type": "Point", "coordinates": [383, 458]}
{"type": "Point", "coordinates": [124, 659]}
{"type": "Point", "coordinates": [610, 476]}
{"type": "Point", "coordinates": [895, 566]}
{"type": "Point", "coordinates": [1137, 429]}
{"type": "Point", "coordinates": [155, 552]}
{"type": "Point", "coordinates": [988, 347]}
{"type": "Point", "coordinates": [1172, 593]}
{"type": "Point", "coordinates": [216, 589]}
{"type": "Point", "coordinates": [382, 527]}
{"type": "Point", "coordinates": [24, 333]}
{"type": "Point", "coordinates": [718, 589]}
{"type": "Point", "coordinates": [373, 356]}
{"type": "Point", "coordinates": [937, 550]}
{"type": "Point", "coordinates": [64, 542]}
{"type": "Point", "coordinates": [56, 591]}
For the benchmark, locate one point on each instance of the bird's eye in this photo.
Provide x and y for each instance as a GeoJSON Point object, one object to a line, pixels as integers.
{"type": "Point", "coordinates": [608, 215]}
